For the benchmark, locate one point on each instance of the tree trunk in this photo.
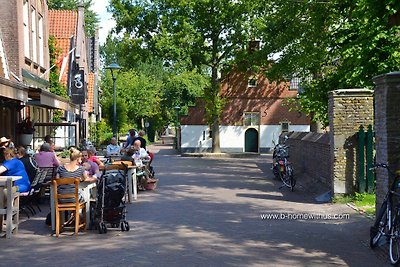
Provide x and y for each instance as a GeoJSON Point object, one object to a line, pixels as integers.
{"type": "Point", "coordinates": [215, 137]}
{"type": "Point", "coordinates": [215, 125]}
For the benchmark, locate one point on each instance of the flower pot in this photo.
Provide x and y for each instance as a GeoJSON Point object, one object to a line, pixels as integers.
{"type": "Point", "coordinates": [25, 139]}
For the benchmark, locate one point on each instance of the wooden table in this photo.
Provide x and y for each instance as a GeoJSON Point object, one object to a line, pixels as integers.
{"type": "Point", "coordinates": [8, 182]}
{"type": "Point", "coordinates": [88, 188]}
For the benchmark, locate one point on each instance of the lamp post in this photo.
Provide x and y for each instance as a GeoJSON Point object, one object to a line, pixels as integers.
{"type": "Point", "coordinates": [114, 67]}
{"type": "Point", "coordinates": [177, 108]}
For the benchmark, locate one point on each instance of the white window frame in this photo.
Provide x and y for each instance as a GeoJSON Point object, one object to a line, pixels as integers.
{"type": "Point", "coordinates": [253, 117]}
{"type": "Point", "coordinates": [25, 13]}
{"type": "Point", "coordinates": [34, 35]}
{"type": "Point", "coordinates": [252, 81]}
{"type": "Point", "coordinates": [41, 41]}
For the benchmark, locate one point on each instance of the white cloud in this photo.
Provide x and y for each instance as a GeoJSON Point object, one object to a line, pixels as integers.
{"type": "Point", "coordinates": [106, 21]}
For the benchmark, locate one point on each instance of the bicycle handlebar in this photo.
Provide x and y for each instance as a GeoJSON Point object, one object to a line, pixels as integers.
{"type": "Point", "coordinates": [386, 166]}
{"type": "Point", "coordinates": [379, 165]}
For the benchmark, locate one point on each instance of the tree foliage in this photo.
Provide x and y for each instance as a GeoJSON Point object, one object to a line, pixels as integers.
{"type": "Point", "coordinates": [153, 89]}
{"type": "Point", "coordinates": [55, 86]}
{"type": "Point", "coordinates": [341, 44]}
{"type": "Point", "coordinates": [188, 35]}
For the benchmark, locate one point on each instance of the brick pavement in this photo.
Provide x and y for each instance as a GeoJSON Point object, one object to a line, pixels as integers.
{"type": "Point", "coordinates": [207, 212]}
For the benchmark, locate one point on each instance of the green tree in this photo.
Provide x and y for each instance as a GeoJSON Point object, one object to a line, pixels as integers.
{"type": "Point", "coordinates": [55, 86]}
{"type": "Point", "coordinates": [189, 35]}
{"type": "Point", "coordinates": [91, 18]}
{"type": "Point", "coordinates": [341, 44]}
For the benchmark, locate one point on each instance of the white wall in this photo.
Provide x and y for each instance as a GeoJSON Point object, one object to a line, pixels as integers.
{"type": "Point", "coordinates": [232, 137]}
{"type": "Point", "coordinates": [192, 136]}
{"type": "Point", "coordinates": [270, 133]}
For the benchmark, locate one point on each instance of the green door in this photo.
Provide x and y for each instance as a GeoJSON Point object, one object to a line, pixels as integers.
{"type": "Point", "coordinates": [251, 140]}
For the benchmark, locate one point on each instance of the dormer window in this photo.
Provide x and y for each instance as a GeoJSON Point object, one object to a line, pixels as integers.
{"type": "Point", "coordinates": [252, 81]}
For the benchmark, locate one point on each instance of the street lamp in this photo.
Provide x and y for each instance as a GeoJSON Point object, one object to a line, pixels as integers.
{"type": "Point", "coordinates": [114, 67]}
{"type": "Point", "coordinates": [177, 108]}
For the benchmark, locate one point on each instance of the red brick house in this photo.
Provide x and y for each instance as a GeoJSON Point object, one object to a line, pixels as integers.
{"type": "Point", "coordinates": [254, 115]}
{"type": "Point", "coordinates": [67, 26]}
{"type": "Point", "coordinates": [24, 57]}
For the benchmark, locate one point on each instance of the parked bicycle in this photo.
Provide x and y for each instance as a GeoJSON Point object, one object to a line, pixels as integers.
{"type": "Point", "coordinates": [387, 222]}
{"type": "Point", "coordinates": [281, 166]}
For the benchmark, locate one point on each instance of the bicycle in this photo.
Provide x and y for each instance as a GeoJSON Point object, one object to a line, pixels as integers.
{"type": "Point", "coordinates": [387, 222]}
{"type": "Point", "coordinates": [282, 167]}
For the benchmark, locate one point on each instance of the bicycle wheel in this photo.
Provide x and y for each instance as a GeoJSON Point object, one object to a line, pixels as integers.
{"type": "Point", "coordinates": [292, 180]}
{"type": "Point", "coordinates": [286, 179]}
{"type": "Point", "coordinates": [394, 249]}
{"type": "Point", "coordinates": [380, 226]}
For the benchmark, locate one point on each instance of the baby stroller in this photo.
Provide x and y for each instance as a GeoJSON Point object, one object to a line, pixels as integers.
{"type": "Point", "coordinates": [110, 208]}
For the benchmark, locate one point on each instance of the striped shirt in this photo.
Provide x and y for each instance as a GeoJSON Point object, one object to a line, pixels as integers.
{"type": "Point", "coordinates": [69, 189]}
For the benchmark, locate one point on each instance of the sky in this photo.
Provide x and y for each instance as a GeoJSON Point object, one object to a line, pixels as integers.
{"type": "Point", "coordinates": [106, 22]}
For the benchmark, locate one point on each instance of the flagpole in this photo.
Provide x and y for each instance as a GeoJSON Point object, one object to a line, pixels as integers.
{"type": "Point", "coordinates": [47, 71]}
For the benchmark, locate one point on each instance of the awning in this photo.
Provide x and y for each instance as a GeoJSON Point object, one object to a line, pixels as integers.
{"type": "Point", "coordinates": [13, 90]}
{"type": "Point", "coordinates": [43, 98]}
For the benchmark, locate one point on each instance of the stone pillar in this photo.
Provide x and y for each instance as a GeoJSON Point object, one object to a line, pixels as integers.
{"type": "Point", "coordinates": [387, 129]}
{"type": "Point", "coordinates": [348, 110]}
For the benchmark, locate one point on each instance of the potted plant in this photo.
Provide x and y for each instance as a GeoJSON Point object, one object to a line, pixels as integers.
{"type": "Point", "coordinates": [25, 130]}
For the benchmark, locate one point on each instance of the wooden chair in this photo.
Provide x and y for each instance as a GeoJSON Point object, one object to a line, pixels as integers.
{"type": "Point", "coordinates": [31, 198]}
{"type": "Point", "coordinates": [68, 202]}
{"type": "Point", "coordinates": [10, 209]}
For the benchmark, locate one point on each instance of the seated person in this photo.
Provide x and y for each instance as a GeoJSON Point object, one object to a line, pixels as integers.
{"type": "Point", "coordinates": [139, 153]}
{"type": "Point", "coordinates": [131, 137]}
{"type": "Point", "coordinates": [73, 169]}
{"type": "Point", "coordinates": [45, 157]}
{"type": "Point", "coordinates": [92, 156]}
{"type": "Point", "coordinates": [91, 167]}
{"type": "Point", "coordinates": [128, 155]}
{"type": "Point", "coordinates": [14, 167]}
{"type": "Point", "coordinates": [30, 164]}
{"type": "Point", "coordinates": [4, 143]}
{"type": "Point", "coordinates": [140, 136]}
{"type": "Point", "coordinates": [113, 149]}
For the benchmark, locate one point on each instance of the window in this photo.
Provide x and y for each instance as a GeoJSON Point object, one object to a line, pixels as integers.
{"type": "Point", "coordinates": [34, 35]}
{"type": "Point", "coordinates": [251, 119]}
{"type": "Point", "coordinates": [252, 82]}
{"type": "Point", "coordinates": [297, 83]}
{"type": "Point", "coordinates": [26, 29]}
{"type": "Point", "coordinates": [294, 83]}
{"type": "Point", "coordinates": [41, 41]}
{"type": "Point", "coordinates": [285, 127]}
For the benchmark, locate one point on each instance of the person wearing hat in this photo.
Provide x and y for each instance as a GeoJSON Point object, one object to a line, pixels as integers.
{"type": "Point", "coordinates": [4, 141]}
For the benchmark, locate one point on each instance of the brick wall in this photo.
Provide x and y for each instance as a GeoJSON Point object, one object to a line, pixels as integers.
{"type": "Point", "coordinates": [310, 156]}
{"type": "Point", "coordinates": [12, 28]}
{"type": "Point", "coordinates": [387, 130]}
{"type": "Point", "coordinates": [348, 110]}
{"type": "Point", "coordinates": [10, 20]}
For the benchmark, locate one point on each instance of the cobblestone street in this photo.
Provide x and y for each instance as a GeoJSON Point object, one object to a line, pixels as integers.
{"type": "Point", "coordinates": [207, 212]}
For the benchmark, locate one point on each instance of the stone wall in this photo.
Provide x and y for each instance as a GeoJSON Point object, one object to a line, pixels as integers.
{"type": "Point", "coordinates": [310, 156]}
{"type": "Point", "coordinates": [387, 129]}
{"type": "Point", "coordinates": [348, 110]}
